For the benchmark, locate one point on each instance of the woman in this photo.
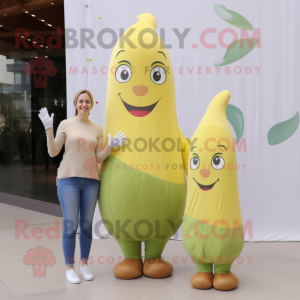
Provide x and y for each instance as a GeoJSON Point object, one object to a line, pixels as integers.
{"type": "Point", "coordinates": [77, 176]}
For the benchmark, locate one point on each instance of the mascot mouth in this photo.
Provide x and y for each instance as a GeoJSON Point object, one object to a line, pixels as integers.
{"type": "Point", "coordinates": [206, 187]}
{"type": "Point", "coordinates": [139, 111]}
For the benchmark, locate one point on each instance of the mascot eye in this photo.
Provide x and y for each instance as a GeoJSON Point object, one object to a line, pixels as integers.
{"type": "Point", "coordinates": [158, 75]}
{"type": "Point", "coordinates": [45, 68]}
{"type": "Point", "coordinates": [218, 162]}
{"type": "Point", "coordinates": [195, 162]}
{"type": "Point", "coordinates": [36, 68]}
{"type": "Point", "coordinates": [123, 73]}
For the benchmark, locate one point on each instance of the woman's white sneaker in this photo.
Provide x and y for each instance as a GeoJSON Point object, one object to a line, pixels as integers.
{"type": "Point", "coordinates": [86, 273]}
{"type": "Point", "coordinates": [72, 276]}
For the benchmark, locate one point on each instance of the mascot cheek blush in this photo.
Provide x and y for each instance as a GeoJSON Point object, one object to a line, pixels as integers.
{"type": "Point", "coordinates": [213, 228]}
{"type": "Point", "coordinates": [143, 186]}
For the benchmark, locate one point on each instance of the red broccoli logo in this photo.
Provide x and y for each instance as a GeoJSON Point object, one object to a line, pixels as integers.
{"type": "Point", "coordinates": [40, 68]}
{"type": "Point", "coordinates": [91, 165]}
{"type": "Point", "coordinates": [39, 258]}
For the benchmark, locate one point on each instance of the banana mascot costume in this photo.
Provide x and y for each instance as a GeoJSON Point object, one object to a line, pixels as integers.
{"type": "Point", "coordinates": [143, 187]}
{"type": "Point", "coordinates": [212, 227]}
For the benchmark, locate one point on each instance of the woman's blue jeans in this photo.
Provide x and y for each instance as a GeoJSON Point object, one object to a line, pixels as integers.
{"type": "Point", "coordinates": [77, 197]}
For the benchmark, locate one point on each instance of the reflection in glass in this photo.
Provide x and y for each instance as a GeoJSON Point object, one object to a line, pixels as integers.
{"type": "Point", "coordinates": [30, 79]}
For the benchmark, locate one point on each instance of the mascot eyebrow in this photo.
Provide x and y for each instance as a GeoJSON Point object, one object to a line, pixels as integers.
{"type": "Point", "coordinates": [222, 146]}
{"type": "Point", "coordinates": [157, 62]}
{"type": "Point", "coordinates": [162, 54]}
{"type": "Point", "coordinates": [126, 61]}
{"type": "Point", "coordinates": [119, 52]}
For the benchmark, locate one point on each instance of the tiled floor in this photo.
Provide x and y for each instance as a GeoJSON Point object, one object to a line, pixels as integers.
{"type": "Point", "coordinates": [273, 271]}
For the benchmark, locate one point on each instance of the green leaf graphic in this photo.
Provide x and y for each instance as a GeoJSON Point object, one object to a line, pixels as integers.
{"type": "Point", "coordinates": [236, 119]}
{"type": "Point", "coordinates": [232, 17]}
{"type": "Point", "coordinates": [283, 131]}
{"type": "Point", "coordinates": [237, 50]}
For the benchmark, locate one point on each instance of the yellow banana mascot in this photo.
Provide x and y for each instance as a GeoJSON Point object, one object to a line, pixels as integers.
{"type": "Point", "coordinates": [212, 226]}
{"type": "Point", "coordinates": [143, 186]}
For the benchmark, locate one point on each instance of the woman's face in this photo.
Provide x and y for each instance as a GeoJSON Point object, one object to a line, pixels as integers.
{"type": "Point", "coordinates": [84, 104]}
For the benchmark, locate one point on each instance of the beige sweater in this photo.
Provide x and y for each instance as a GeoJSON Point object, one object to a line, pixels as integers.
{"type": "Point", "coordinates": [83, 148]}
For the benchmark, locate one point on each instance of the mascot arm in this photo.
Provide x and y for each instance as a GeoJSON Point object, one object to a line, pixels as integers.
{"type": "Point", "coordinates": [184, 146]}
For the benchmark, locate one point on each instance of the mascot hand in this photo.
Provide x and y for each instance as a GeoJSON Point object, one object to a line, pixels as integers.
{"type": "Point", "coordinates": [45, 118]}
{"type": "Point", "coordinates": [118, 140]}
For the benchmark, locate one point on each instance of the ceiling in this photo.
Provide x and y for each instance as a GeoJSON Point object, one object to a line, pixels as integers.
{"type": "Point", "coordinates": [36, 18]}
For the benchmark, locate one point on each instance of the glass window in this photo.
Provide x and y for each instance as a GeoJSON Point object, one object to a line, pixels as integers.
{"type": "Point", "coordinates": [31, 77]}
{"type": "Point", "coordinates": [18, 78]}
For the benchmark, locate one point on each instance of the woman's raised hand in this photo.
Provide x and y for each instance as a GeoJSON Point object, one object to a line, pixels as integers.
{"type": "Point", "coordinates": [45, 118]}
{"type": "Point", "coordinates": [118, 140]}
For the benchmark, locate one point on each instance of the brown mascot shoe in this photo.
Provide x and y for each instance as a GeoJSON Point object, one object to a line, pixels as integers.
{"type": "Point", "coordinates": [202, 280]}
{"type": "Point", "coordinates": [129, 269]}
{"type": "Point", "coordinates": [225, 281]}
{"type": "Point", "coordinates": [157, 268]}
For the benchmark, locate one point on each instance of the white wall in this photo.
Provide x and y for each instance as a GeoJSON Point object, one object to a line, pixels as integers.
{"type": "Point", "coordinates": [269, 184]}
{"type": "Point", "coordinates": [6, 77]}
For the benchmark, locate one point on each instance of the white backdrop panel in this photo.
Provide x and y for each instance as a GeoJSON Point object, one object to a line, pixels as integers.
{"type": "Point", "coordinates": [269, 183]}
